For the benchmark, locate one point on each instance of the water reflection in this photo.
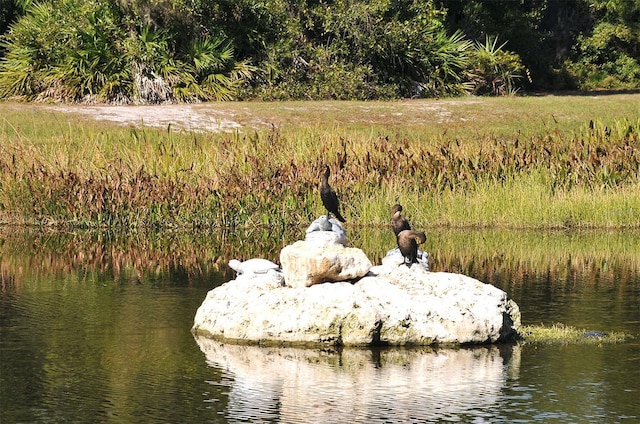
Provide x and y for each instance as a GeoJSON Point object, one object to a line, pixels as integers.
{"type": "Point", "coordinates": [353, 385]}
{"type": "Point", "coordinates": [507, 258]}
{"type": "Point", "coordinates": [94, 327]}
{"type": "Point", "coordinates": [128, 257]}
{"type": "Point", "coordinates": [554, 276]}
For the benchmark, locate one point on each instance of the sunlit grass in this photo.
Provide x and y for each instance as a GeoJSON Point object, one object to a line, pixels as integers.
{"type": "Point", "coordinates": [546, 162]}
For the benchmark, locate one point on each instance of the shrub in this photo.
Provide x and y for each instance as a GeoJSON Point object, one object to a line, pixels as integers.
{"type": "Point", "coordinates": [362, 50]}
{"type": "Point", "coordinates": [606, 56]}
{"type": "Point", "coordinates": [62, 51]}
{"type": "Point", "coordinates": [493, 70]}
{"type": "Point", "coordinates": [76, 50]}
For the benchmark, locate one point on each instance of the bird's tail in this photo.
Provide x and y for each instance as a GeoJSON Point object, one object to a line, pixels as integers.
{"type": "Point", "coordinates": [339, 217]}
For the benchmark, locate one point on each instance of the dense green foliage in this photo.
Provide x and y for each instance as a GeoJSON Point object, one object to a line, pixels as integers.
{"type": "Point", "coordinates": [77, 50]}
{"type": "Point", "coordinates": [494, 70]}
{"type": "Point", "coordinates": [609, 55]}
{"type": "Point", "coordinates": [565, 44]}
{"type": "Point", "coordinates": [362, 50]}
{"type": "Point", "coordinates": [150, 51]}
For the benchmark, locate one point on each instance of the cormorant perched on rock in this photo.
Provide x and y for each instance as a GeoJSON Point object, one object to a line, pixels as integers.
{"type": "Point", "coordinates": [408, 242]}
{"type": "Point", "coordinates": [398, 222]}
{"type": "Point", "coordinates": [329, 197]}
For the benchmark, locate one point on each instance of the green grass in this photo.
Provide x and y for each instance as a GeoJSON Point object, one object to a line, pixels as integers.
{"type": "Point", "coordinates": [562, 334]}
{"type": "Point", "coordinates": [516, 162]}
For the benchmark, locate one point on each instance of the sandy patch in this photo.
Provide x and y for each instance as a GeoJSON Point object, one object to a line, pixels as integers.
{"type": "Point", "coordinates": [216, 117]}
{"type": "Point", "coordinates": [177, 117]}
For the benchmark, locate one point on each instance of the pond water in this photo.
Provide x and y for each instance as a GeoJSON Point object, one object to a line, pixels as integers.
{"type": "Point", "coordinates": [95, 327]}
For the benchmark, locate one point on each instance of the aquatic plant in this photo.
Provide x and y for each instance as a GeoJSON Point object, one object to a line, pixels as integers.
{"type": "Point", "coordinates": [563, 334]}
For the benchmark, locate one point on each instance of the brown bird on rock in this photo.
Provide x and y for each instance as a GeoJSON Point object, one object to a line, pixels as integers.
{"type": "Point", "coordinates": [398, 222]}
{"type": "Point", "coordinates": [329, 196]}
{"type": "Point", "coordinates": [408, 242]}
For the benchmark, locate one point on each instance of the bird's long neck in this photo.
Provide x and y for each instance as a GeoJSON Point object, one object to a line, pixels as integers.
{"type": "Point", "coordinates": [325, 178]}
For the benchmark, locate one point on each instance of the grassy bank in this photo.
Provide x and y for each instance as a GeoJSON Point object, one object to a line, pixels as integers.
{"type": "Point", "coordinates": [532, 162]}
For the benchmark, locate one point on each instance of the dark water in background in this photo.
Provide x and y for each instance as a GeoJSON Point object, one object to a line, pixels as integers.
{"type": "Point", "coordinates": [96, 328]}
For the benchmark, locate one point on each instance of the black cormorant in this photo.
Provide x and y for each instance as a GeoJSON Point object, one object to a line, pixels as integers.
{"type": "Point", "coordinates": [398, 222]}
{"type": "Point", "coordinates": [408, 242]}
{"type": "Point", "coordinates": [329, 197]}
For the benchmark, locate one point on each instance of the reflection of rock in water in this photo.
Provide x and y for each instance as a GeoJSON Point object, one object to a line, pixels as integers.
{"type": "Point", "coordinates": [361, 385]}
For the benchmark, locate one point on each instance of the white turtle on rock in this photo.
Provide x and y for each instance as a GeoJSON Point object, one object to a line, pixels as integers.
{"type": "Point", "coordinates": [257, 266]}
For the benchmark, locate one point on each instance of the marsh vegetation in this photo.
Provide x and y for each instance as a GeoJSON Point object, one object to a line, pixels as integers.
{"type": "Point", "coordinates": [533, 162]}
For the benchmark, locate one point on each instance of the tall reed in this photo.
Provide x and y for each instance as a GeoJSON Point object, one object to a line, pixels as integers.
{"type": "Point", "coordinates": [99, 176]}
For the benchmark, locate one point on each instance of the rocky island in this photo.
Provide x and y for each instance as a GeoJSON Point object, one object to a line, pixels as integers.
{"type": "Point", "coordinates": [326, 293]}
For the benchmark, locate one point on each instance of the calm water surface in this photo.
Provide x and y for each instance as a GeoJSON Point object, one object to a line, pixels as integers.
{"type": "Point", "coordinates": [96, 328]}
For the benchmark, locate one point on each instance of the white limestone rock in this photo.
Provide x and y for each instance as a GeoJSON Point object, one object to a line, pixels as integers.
{"type": "Point", "coordinates": [393, 305]}
{"type": "Point", "coordinates": [395, 258]}
{"type": "Point", "coordinates": [306, 263]}
{"type": "Point", "coordinates": [421, 307]}
{"type": "Point", "coordinates": [326, 230]}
